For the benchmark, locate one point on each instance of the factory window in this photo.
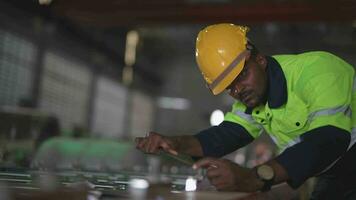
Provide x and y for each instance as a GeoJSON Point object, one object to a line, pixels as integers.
{"type": "Point", "coordinates": [65, 89]}
{"type": "Point", "coordinates": [109, 108]}
{"type": "Point", "coordinates": [17, 60]}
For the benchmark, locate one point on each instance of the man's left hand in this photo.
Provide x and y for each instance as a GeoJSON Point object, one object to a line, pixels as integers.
{"type": "Point", "coordinates": [228, 176]}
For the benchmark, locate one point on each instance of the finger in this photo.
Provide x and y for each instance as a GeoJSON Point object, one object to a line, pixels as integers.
{"type": "Point", "coordinates": [218, 183]}
{"type": "Point", "coordinates": [221, 187]}
{"type": "Point", "coordinates": [154, 145]}
{"type": "Point", "coordinates": [171, 151]}
{"type": "Point", "coordinates": [148, 144]}
{"type": "Point", "coordinates": [138, 140]}
{"type": "Point", "coordinates": [168, 148]}
{"type": "Point", "coordinates": [142, 144]}
{"type": "Point", "coordinates": [213, 172]}
{"type": "Point", "coordinates": [213, 166]}
{"type": "Point", "coordinates": [151, 133]}
{"type": "Point", "coordinates": [206, 163]}
{"type": "Point", "coordinates": [154, 142]}
{"type": "Point", "coordinates": [228, 188]}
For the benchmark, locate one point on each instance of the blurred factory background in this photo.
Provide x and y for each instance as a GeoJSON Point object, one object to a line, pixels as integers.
{"type": "Point", "coordinates": [114, 70]}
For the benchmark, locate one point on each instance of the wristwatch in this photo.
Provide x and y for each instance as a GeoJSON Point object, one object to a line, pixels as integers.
{"type": "Point", "coordinates": [266, 174]}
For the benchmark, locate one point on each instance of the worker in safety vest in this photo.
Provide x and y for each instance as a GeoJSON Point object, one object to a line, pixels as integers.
{"type": "Point", "coordinates": [304, 102]}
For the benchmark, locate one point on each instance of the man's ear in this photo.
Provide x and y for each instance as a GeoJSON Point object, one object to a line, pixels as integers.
{"type": "Point", "coordinates": [261, 60]}
{"type": "Point", "coordinates": [248, 55]}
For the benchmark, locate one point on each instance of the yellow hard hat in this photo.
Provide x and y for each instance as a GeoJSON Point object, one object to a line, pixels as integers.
{"type": "Point", "coordinates": [220, 54]}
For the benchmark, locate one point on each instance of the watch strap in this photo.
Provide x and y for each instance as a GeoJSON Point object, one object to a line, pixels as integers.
{"type": "Point", "coordinates": [267, 183]}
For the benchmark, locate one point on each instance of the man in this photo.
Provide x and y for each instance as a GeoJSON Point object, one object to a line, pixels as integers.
{"type": "Point", "coordinates": [303, 102]}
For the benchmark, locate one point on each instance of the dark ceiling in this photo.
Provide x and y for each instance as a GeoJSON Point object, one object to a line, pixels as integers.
{"type": "Point", "coordinates": [104, 23]}
{"type": "Point", "coordinates": [132, 12]}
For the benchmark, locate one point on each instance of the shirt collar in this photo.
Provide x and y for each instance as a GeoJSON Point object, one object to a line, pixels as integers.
{"type": "Point", "coordinates": [277, 85]}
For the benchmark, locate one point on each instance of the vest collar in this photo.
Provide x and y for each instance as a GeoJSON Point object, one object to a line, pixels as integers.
{"type": "Point", "coordinates": [277, 85]}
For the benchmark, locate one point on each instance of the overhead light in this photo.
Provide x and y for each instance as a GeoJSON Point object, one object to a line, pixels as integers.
{"type": "Point", "coordinates": [216, 117]}
{"type": "Point", "coordinates": [132, 39]}
{"type": "Point", "coordinates": [45, 2]}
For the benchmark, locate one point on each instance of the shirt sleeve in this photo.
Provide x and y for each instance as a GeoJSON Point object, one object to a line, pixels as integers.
{"type": "Point", "coordinates": [225, 138]}
{"type": "Point", "coordinates": [318, 149]}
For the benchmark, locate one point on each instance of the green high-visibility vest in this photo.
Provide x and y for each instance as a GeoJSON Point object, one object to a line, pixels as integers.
{"type": "Point", "coordinates": [320, 89]}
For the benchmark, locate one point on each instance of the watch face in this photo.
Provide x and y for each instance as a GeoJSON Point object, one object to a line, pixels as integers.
{"type": "Point", "coordinates": [265, 172]}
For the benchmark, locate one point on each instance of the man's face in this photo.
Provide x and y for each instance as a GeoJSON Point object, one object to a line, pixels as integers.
{"type": "Point", "coordinates": [250, 86]}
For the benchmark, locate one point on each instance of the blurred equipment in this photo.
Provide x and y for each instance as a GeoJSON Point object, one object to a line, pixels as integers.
{"type": "Point", "coordinates": [180, 157]}
{"type": "Point", "coordinates": [23, 184]}
{"type": "Point", "coordinates": [21, 130]}
{"type": "Point", "coordinates": [65, 153]}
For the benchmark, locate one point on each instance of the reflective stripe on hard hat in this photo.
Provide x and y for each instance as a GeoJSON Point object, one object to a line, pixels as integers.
{"type": "Point", "coordinates": [234, 64]}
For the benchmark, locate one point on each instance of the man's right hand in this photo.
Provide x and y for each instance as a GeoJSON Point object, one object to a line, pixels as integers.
{"type": "Point", "coordinates": [155, 142]}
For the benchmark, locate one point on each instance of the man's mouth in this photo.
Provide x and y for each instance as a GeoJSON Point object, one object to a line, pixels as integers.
{"type": "Point", "coordinates": [245, 97]}
{"type": "Point", "coordinates": [246, 100]}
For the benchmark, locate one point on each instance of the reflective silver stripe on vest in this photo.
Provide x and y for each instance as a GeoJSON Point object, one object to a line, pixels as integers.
{"type": "Point", "coordinates": [325, 112]}
{"type": "Point", "coordinates": [291, 143]}
{"type": "Point", "coordinates": [345, 109]}
{"type": "Point", "coordinates": [273, 138]}
{"type": "Point", "coordinates": [248, 118]}
{"type": "Point", "coordinates": [245, 116]}
{"type": "Point", "coordinates": [353, 138]}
